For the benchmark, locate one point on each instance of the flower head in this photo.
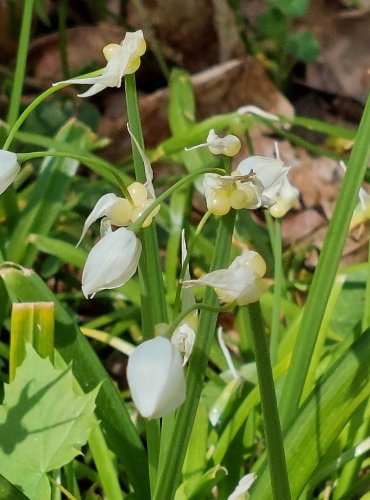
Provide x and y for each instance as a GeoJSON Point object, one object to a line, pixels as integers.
{"type": "Point", "coordinates": [111, 262]}
{"type": "Point", "coordinates": [122, 59]}
{"type": "Point", "coordinates": [9, 169]}
{"type": "Point", "coordinates": [156, 378]}
{"type": "Point", "coordinates": [242, 281]}
{"type": "Point", "coordinates": [228, 145]}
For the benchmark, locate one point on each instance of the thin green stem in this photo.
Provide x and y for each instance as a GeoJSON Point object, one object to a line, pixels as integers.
{"type": "Point", "coordinates": [16, 126]}
{"type": "Point", "coordinates": [152, 293]}
{"type": "Point", "coordinates": [62, 22]}
{"type": "Point", "coordinates": [24, 37]}
{"type": "Point", "coordinates": [9, 199]}
{"type": "Point", "coordinates": [170, 471]}
{"type": "Point", "coordinates": [272, 429]}
{"type": "Point", "coordinates": [278, 288]}
{"type": "Point", "coordinates": [87, 160]}
{"type": "Point", "coordinates": [366, 317]}
{"type": "Point", "coordinates": [326, 270]}
{"type": "Point", "coordinates": [104, 464]}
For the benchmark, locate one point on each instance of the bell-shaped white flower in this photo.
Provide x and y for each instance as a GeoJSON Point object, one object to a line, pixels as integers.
{"type": "Point", "coordinates": [242, 281]}
{"type": "Point", "coordinates": [156, 378]}
{"type": "Point", "coordinates": [285, 197]}
{"type": "Point", "coordinates": [229, 145]}
{"type": "Point", "coordinates": [183, 338]}
{"type": "Point", "coordinates": [241, 491]}
{"type": "Point", "coordinates": [122, 59]}
{"type": "Point", "coordinates": [111, 262]}
{"type": "Point", "coordinates": [9, 169]}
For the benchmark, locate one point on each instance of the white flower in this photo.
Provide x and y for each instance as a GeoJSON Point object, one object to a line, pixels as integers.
{"type": "Point", "coordinates": [111, 262]}
{"type": "Point", "coordinates": [9, 169]}
{"type": "Point", "coordinates": [183, 338]}
{"type": "Point", "coordinates": [242, 281]}
{"type": "Point", "coordinates": [122, 59]}
{"type": "Point", "coordinates": [228, 145]}
{"type": "Point", "coordinates": [156, 378]}
{"type": "Point", "coordinates": [224, 192]}
{"type": "Point", "coordinates": [271, 172]}
{"type": "Point", "coordinates": [361, 212]}
{"type": "Point", "coordinates": [285, 198]}
{"type": "Point", "coordinates": [241, 491]}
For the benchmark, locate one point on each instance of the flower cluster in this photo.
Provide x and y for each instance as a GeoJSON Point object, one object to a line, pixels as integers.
{"type": "Point", "coordinates": [256, 182]}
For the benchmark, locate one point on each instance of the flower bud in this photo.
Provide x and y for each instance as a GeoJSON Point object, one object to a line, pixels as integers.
{"type": "Point", "coordinates": [156, 378]}
{"type": "Point", "coordinates": [9, 169]}
{"type": "Point", "coordinates": [229, 145]}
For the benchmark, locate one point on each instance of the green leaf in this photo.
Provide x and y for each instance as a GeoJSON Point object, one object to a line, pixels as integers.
{"type": "Point", "coordinates": [48, 194]}
{"type": "Point", "coordinates": [64, 251]}
{"type": "Point", "coordinates": [304, 46]}
{"type": "Point", "coordinates": [322, 417]}
{"type": "Point", "coordinates": [291, 8]}
{"type": "Point", "coordinates": [23, 285]}
{"type": "Point", "coordinates": [43, 424]}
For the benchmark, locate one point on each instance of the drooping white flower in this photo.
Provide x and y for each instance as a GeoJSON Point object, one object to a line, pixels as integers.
{"type": "Point", "coordinates": [242, 281]}
{"type": "Point", "coordinates": [285, 197]}
{"type": "Point", "coordinates": [9, 169]}
{"type": "Point", "coordinates": [156, 378]}
{"type": "Point", "coordinates": [111, 262]}
{"type": "Point", "coordinates": [122, 59]}
{"type": "Point", "coordinates": [183, 339]}
{"type": "Point", "coordinates": [361, 212]}
{"type": "Point", "coordinates": [241, 491]}
{"type": "Point", "coordinates": [229, 145]}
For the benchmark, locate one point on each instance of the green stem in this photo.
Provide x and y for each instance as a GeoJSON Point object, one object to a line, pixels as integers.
{"type": "Point", "coordinates": [152, 293]}
{"type": "Point", "coordinates": [278, 288]}
{"type": "Point", "coordinates": [366, 317]}
{"type": "Point", "coordinates": [104, 465]}
{"type": "Point", "coordinates": [273, 435]}
{"type": "Point", "coordinates": [62, 18]}
{"type": "Point", "coordinates": [326, 270]}
{"type": "Point", "coordinates": [9, 199]}
{"type": "Point", "coordinates": [16, 126]}
{"type": "Point", "coordinates": [87, 160]}
{"type": "Point", "coordinates": [170, 472]}
{"type": "Point", "coordinates": [20, 69]}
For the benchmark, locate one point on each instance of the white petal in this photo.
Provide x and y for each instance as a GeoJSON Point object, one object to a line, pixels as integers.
{"type": "Point", "coordinates": [183, 339]}
{"type": "Point", "coordinates": [111, 262]}
{"type": "Point", "coordinates": [241, 491]}
{"type": "Point", "coordinates": [285, 198]}
{"type": "Point", "coordinates": [268, 170]}
{"type": "Point", "coordinates": [100, 209]}
{"type": "Point", "coordinates": [147, 166]}
{"type": "Point", "coordinates": [9, 169]}
{"type": "Point", "coordinates": [250, 109]}
{"type": "Point", "coordinates": [156, 378]}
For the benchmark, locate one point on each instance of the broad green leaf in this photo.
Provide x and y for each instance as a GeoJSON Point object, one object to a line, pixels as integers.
{"type": "Point", "coordinates": [43, 424]}
{"type": "Point", "coordinates": [23, 285]}
{"type": "Point", "coordinates": [322, 417]}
